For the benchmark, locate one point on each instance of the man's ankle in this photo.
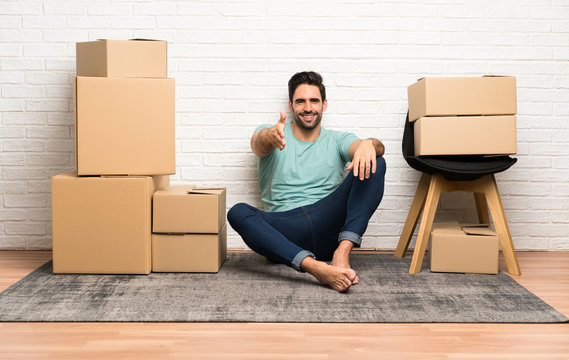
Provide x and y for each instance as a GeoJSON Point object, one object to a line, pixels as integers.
{"type": "Point", "coordinates": [345, 246]}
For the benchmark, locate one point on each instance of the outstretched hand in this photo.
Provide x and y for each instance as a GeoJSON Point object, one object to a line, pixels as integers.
{"type": "Point", "coordinates": [276, 133]}
{"type": "Point", "coordinates": [364, 160]}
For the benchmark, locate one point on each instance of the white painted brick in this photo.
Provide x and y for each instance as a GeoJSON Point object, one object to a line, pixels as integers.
{"type": "Point", "coordinates": [23, 145]}
{"type": "Point", "coordinates": [48, 132]}
{"type": "Point", "coordinates": [65, 8]}
{"type": "Point", "coordinates": [40, 186]}
{"type": "Point", "coordinates": [34, 242]}
{"type": "Point", "coordinates": [10, 77]}
{"type": "Point", "coordinates": [61, 146]}
{"type": "Point", "coordinates": [27, 228]}
{"type": "Point", "coordinates": [12, 215]}
{"type": "Point", "coordinates": [199, 8]}
{"type": "Point", "coordinates": [20, 8]}
{"type": "Point", "coordinates": [12, 159]}
{"type": "Point", "coordinates": [49, 161]}
{"type": "Point", "coordinates": [39, 215]}
{"type": "Point", "coordinates": [67, 65]}
{"type": "Point", "coordinates": [11, 131]}
{"type": "Point", "coordinates": [66, 37]}
{"type": "Point", "coordinates": [47, 105]}
{"type": "Point", "coordinates": [200, 146]}
{"type": "Point", "coordinates": [22, 64]}
{"type": "Point", "coordinates": [22, 91]}
{"type": "Point", "coordinates": [255, 9]}
{"type": "Point", "coordinates": [8, 50]}
{"type": "Point", "coordinates": [161, 8]}
{"type": "Point", "coordinates": [64, 118]}
{"type": "Point", "coordinates": [43, 22]}
{"type": "Point", "coordinates": [26, 200]}
{"type": "Point", "coordinates": [64, 92]}
{"type": "Point", "coordinates": [88, 22]}
{"type": "Point", "coordinates": [133, 22]}
{"type": "Point", "coordinates": [11, 104]}
{"type": "Point", "coordinates": [24, 118]}
{"type": "Point", "coordinates": [190, 160]}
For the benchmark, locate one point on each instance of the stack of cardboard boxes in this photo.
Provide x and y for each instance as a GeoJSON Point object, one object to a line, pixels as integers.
{"type": "Point", "coordinates": [124, 137]}
{"type": "Point", "coordinates": [464, 116]}
{"type": "Point", "coordinates": [189, 230]}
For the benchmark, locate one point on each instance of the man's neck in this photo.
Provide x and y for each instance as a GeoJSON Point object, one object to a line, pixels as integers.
{"type": "Point", "coordinates": [302, 134]}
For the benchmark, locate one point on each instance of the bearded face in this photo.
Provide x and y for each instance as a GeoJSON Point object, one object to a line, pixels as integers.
{"type": "Point", "coordinates": [307, 106]}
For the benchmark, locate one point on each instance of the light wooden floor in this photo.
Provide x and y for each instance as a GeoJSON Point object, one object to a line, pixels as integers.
{"type": "Point", "coordinates": [544, 273]}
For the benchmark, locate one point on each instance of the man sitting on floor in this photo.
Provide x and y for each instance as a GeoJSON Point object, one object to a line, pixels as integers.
{"type": "Point", "coordinates": [311, 215]}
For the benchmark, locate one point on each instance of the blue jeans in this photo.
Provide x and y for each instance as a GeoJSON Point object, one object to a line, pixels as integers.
{"type": "Point", "coordinates": [314, 230]}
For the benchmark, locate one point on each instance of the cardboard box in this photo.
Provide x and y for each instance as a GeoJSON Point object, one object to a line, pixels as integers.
{"type": "Point", "coordinates": [464, 248]}
{"type": "Point", "coordinates": [465, 135]}
{"type": "Point", "coordinates": [161, 182]}
{"type": "Point", "coordinates": [122, 58]}
{"type": "Point", "coordinates": [124, 126]}
{"type": "Point", "coordinates": [189, 209]}
{"type": "Point", "coordinates": [189, 252]}
{"type": "Point", "coordinates": [487, 95]}
{"type": "Point", "coordinates": [101, 225]}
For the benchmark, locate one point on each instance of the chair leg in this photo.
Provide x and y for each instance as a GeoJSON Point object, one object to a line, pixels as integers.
{"type": "Point", "coordinates": [431, 203]}
{"type": "Point", "coordinates": [499, 218]}
{"type": "Point", "coordinates": [413, 216]}
{"type": "Point", "coordinates": [481, 208]}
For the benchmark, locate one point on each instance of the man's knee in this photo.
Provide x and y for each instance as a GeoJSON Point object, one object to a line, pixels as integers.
{"type": "Point", "coordinates": [237, 213]}
{"type": "Point", "coordinates": [381, 166]}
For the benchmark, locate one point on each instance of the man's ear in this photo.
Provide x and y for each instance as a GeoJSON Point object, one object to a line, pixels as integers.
{"type": "Point", "coordinates": [324, 105]}
{"type": "Point", "coordinates": [290, 105]}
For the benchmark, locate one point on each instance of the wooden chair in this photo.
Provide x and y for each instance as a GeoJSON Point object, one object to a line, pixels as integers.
{"type": "Point", "coordinates": [454, 173]}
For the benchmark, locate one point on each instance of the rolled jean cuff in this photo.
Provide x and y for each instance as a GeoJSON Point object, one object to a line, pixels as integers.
{"type": "Point", "coordinates": [351, 236]}
{"type": "Point", "coordinates": [299, 257]}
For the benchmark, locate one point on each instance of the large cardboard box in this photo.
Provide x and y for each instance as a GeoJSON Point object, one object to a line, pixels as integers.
{"type": "Point", "coordinates": [124, 126]}
{"type": "Point", "coordinates": [464, 248]}
{"type": "Point", "coordinates": [189, 252]}
{"type": "Point", "coordinates": [465, 135]}
{"type": "Point", "coordinates": [189, 209]}
{"type": "Point", "coordinates": [122, 58]}
{"type": "Point", "coordinates": [101, 225]}
{"type": "Point", "coordinates": [486, 95]}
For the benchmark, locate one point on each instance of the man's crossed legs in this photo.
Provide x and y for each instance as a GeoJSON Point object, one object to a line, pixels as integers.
{"type": "Point", "coordinates": [305, 237]}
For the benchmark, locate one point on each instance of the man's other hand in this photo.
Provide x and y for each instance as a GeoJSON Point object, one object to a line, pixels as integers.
{"type": "Point", "coordinates": [364, 158]}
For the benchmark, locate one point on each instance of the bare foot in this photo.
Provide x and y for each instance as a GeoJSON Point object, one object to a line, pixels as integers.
{"type": "Point", "coordinates": [341, 257]}
{"type": "Point", "coordinates": [338, 278]}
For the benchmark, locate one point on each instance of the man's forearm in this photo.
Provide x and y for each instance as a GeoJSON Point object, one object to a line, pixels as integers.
{"type": "Point", "coordinates": [260, 143]}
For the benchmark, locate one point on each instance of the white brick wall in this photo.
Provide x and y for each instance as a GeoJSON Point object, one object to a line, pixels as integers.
{"type": "Point", "coordinates": [232, 60]}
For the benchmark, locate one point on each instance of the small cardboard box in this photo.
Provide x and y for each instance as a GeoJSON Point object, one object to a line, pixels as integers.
{"type": "Point", "coordinates": [122, 58]}
{"type": "Point", "coordinates": [189, 209]}
{"type": "Point", "coordinates": [101, 225]}
{"type": "Point", "coordinates": [465, 135]}
{"type": "Point", "coordinates": [189, 252]}
{"type": "Point", "coordinates": [464, 248]}
{"type": "Point", "coordinates": [486, 95]}
{"type": "Point", "coordinates": [124, 126]}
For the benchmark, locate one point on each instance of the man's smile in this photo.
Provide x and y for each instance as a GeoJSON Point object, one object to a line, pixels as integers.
{"type": "Point", "coordinates": [308, 116]}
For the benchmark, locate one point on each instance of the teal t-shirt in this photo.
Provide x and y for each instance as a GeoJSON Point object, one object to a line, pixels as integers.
{"type": "Point", "coordinates": [303, 172]}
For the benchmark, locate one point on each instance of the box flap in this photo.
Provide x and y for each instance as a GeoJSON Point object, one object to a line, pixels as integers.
{"type": "Point", "coordinates": [140, 39]}
{"type": "Point", "coordinates": [478, 230]}
{"type": "Point", "coordinates": [206, 190]}
{"type": "Point", "coordinates": [496, 75]}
